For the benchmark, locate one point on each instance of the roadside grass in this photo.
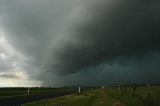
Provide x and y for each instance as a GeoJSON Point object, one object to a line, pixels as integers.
{"type": "Point", "coordinates": [156, 97]}
{"type": "Point", "coordinates": [106, 97]}
{"type": "Point", "coordinates": [141, 98]}
{"type": "Point", "coordinates": [101, 98]}
{"type": "Point", "coordinates": [11, 92]}
{"type": "Point", "coordinates": [127, 99]}
{"type": "Point", "coordinates": [151, 97]}
{"type": "Point", "coordinates": [96, 97]}
{"type": "Point", "coordinates": [69, 100]}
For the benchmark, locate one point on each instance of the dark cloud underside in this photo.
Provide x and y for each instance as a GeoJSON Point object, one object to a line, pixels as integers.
{"type": "Point", "coordinates": [87, 42]}
{"type": "Point", "coordinates": [126, 28]}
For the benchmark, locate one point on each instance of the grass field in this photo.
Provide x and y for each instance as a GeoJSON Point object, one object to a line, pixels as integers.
{"type": "Point", "coordinates": [5, 92]}
{"type": "Point", "coordinates": [143, 96]}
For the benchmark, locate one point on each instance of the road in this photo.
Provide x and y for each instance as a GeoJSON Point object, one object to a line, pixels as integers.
{"type": "Point", "coordinates": [19, 100]}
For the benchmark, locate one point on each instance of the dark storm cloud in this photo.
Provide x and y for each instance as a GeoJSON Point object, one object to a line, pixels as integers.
{"type": "Point", "coordinates": [105, 30]}
{"type": "Point", "coordinates": [69, 42]}
{"type": "Point", "coordinates": [122, 70]}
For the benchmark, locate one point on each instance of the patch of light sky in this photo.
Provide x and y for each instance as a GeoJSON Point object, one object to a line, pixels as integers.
{"type": "Point", "coordinates": [16, 61]}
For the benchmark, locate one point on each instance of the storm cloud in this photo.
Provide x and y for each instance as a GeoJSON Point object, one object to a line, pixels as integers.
{"type": "Point", "coordinates": [106, 30]}
{"type": "Point", "coordinates": [85, 42]}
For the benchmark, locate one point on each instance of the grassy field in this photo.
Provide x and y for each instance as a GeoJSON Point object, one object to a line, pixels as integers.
{"type": "Point", "coordinates": [5, 92]}
{"type": "Point", "coordinates": [143, 96]}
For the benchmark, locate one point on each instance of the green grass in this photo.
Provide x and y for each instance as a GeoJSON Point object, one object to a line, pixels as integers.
{"type": "Point", "coordinates": [88, 98]}
{"type": "Point", "coordinates": [141, 97]}
{"type": "Point", "coordinates": [100, 98]}
{"type": "Point", "coordinates": [124, 98]}
{"type": "Point", "coordinates": [7, 92]}
{"type": "Point", "coordinates": [106, 97]}
{"type": "Point", "coordinates": [69, 100]}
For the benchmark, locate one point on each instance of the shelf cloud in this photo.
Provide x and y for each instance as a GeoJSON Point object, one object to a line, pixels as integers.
{"type": "Point", "coordinates": [82, 42]}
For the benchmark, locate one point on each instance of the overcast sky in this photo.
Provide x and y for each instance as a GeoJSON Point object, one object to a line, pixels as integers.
{"type": "Point", "coordinates": [79, 42]}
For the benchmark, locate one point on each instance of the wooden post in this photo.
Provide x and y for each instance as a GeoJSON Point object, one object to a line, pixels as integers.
{"type": "Point", "coordinates": [134, 89]}
{"type": "Point", "coordinates": [148, 84]}
{"type": "Point", "coordinates": [119, 87]}
{"type": "Point", "coordinates": [125, 89]}
{"type": "Point", "coordinates": [149, 90]}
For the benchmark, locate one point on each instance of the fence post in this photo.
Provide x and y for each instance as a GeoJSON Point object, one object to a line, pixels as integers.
{"type": "Point", "coordinates": [79, 89]}
{"type": "Point", "coordinates": [28, 90]}
{"type": "Point", "coordinates": [134, 89]}
{"type": "Point", "coordinates": [119, 87]}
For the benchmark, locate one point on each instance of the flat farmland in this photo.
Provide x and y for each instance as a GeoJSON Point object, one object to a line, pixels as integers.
{"type": "Point", "coordinates": [5, 92]}
{"type": "Point", "coordinates": [19, 96]}
{"type": "Point", "coordinates": [111, 96]}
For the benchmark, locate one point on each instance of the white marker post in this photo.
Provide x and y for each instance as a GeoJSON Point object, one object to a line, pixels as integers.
{"type": "Point", "coordinates": [79, 90]}
{"type": "Point", "coordinates": [102, 87]}
{"type": "Point", "coordinates": [28, 90]}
